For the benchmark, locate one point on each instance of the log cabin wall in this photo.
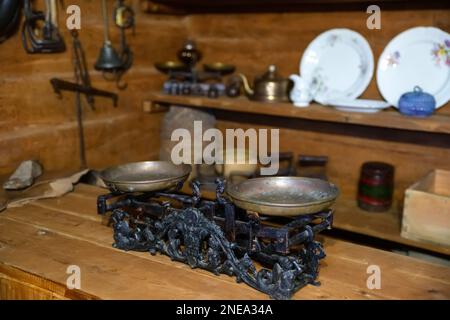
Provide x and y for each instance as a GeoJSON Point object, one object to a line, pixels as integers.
{"type": "Point", "coordinates": [254, 41]}
{"type": "Point", "coordinates": [35, 124]}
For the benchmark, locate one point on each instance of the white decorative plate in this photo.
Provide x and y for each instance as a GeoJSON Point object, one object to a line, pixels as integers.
{"type": "Point", "coordinates": [416, 57]}
{"type": "Point", "coordinates": [339, 63]}
{"type": "Point", "coordinates": [359, 105]}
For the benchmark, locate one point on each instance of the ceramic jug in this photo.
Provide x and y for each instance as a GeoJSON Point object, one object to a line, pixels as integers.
{"type": "Point", "coordinates": [301, 94]}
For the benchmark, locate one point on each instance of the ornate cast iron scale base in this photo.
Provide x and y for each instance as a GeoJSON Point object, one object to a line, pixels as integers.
{"type": "Point", "coordinates": [220, 237]}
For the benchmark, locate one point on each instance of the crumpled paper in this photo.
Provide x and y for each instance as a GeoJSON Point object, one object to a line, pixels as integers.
{"type": "Point", "coordinates": [43, 190]}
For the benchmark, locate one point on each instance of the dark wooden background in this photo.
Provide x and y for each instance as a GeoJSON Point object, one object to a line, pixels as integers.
{"type": "Point", "coordinates": [35, 124]}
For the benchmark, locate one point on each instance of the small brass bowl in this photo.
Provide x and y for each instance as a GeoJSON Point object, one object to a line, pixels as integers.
{"type": "Point", "coordinates": [145, 176]}
{"type": "Point", "coordinates": [283, 196]}
{"type": "Point", "coordinates": [219, 67]}
{"type": "Point", "coordinates": [169, 66]}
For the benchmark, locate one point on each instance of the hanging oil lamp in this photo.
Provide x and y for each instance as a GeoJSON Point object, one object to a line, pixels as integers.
{"type": "Point", "coordinates": [114, 64]}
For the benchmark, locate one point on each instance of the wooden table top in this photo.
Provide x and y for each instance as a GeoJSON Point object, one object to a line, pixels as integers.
{"type": "Point", "coordinates": [40, 240]}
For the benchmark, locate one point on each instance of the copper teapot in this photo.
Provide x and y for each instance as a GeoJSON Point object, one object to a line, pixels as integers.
{"type": "Point", "coordinates": [269, 87]}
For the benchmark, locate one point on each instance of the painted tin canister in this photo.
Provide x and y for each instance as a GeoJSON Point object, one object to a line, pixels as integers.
{"type": "Point", "coordinates": [376, 186]}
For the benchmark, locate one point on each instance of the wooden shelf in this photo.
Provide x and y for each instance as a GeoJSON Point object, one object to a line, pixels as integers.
{"type": "Point", "coordinates": [349, 217]}
{"type": "Point", "coordinates": [384, 225]}
{"type": "Point", "coordinates": [438, 123]}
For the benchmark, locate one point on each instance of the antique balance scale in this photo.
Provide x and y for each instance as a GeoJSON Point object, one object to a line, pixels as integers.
{"type": "Point", "coordinates": [261, 230]}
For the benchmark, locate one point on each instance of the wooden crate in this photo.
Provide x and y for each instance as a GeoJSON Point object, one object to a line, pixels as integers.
{"type": "Point", "coordinates": [426, 213]}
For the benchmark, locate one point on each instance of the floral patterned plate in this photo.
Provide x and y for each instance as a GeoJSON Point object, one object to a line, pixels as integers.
{"type": "Point", "coordinates": [416, 57]}
{"type": "Point", "coordinates": [339, 65]}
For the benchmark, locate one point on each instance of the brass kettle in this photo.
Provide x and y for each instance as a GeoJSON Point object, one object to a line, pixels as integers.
{"type": "Point", "coordinates": [269, 87]}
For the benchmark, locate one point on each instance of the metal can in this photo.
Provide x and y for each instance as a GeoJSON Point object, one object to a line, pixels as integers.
{"type": "Point", "coordinates": [376, 186]}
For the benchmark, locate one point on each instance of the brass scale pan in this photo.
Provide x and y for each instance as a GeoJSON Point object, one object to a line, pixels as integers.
{"type": "Point", "coordinates": [273, 196]}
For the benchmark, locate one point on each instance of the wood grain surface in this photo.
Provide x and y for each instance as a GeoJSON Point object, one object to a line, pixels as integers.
{"type": "Point", "coordinates": [36, 124]}
{"type": "Point", "coordinates": [39, 241]}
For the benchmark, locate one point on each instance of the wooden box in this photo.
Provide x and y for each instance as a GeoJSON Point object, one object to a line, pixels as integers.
{"type": "Point", "coordinates": [426, 212]}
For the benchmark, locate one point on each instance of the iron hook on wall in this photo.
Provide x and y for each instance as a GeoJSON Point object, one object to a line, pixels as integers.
{"type": "Point", "coordinates": [114, 64]}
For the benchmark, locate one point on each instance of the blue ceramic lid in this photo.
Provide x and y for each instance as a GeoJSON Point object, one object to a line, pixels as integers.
{"type": "Point", "coordinates": [417, 103]}
{"type": "Point", "coordinates": [417, 95]}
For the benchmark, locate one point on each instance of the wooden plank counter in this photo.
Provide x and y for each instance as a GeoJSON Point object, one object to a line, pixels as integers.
{"type": "Point", "coordinates": [38, 242]}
